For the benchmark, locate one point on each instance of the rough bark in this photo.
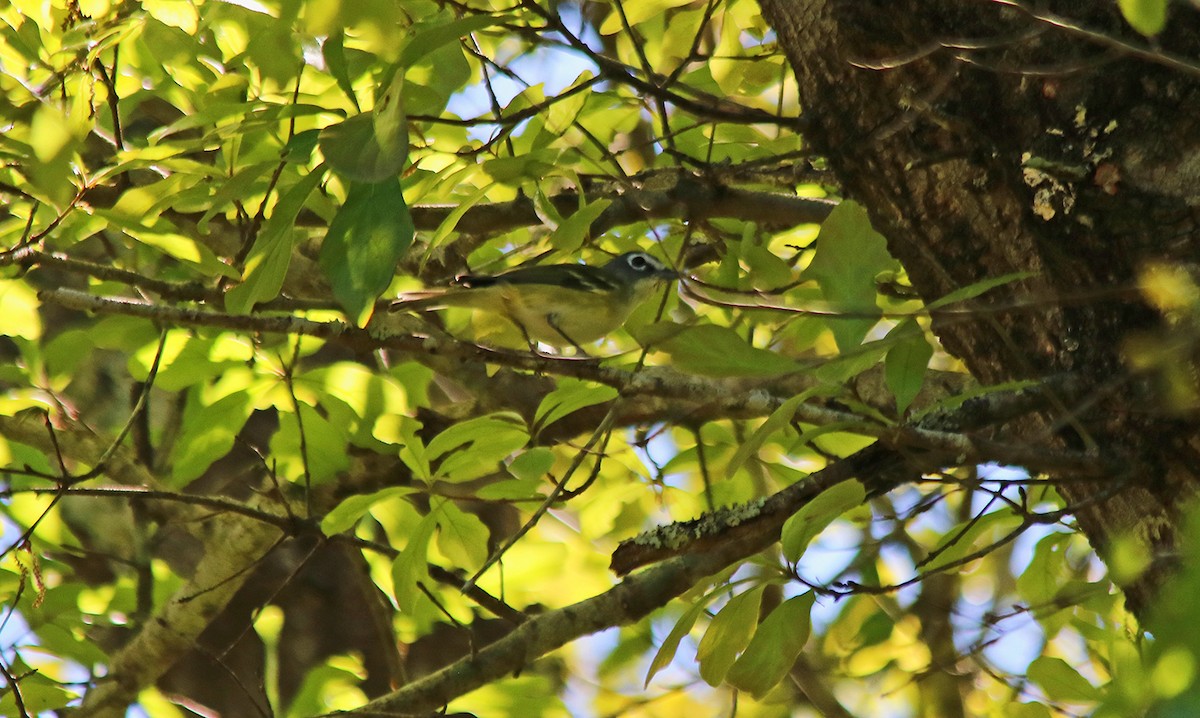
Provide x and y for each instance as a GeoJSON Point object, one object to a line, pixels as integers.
{"type": "Point", "coordinates": [1038, 150]}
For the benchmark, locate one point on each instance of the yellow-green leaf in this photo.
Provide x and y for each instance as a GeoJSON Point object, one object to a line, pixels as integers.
{"type": "Point", "coordinates": [1060, 681]}
{"type": "Point", "coordinates": [717, 351]}
{"type": "Point", "coordinates": [803, 526]}
{"type": "Point", "coordinates": [1146, 16]}
{"type": "Point", "coordinates": [774, 648]}
{"type": "Point", "coordinates": [728, 634]}
{"type": "Point", "coordinates": [906, 362]}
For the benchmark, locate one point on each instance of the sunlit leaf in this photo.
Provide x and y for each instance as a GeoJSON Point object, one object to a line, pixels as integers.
{"type": "Point", "coordinates": [728, 634]}
{"type": "Point", "coordinates": [803, 526]}
{"type": "Point", "coordinates": [19, 311]}
{"type": "Point", "coordinates": [1146, 16]}
{"type": "Point", "coordinates": [775, 646]}
{"type": "Point", "coordinates": [571, 233]}
{"type": "Point", "coordinates": [670, 645]}
{"type": "Point", "coordinates": [635, 13]}
{"type": "Point", "coordinates": [334, 52]}
{"type": "Point", "coordinates": [411, 566]}
{"type": "Point", "coordinates": [268, 261]}
{"type": "Point", "coordinates": [1039, 581]}
{"type": "Point", "coordinates": [462, 537]}
{"type": "Point", "coordinates": [1060, 681]}
{"type": "Point", "coordinates": [779, 419]}
{"type": "Point", "coordinates": [347, 513]}
{"type": "Point", "coordinates": [474, 448]}
{"type": "Point", "coordinates": [428, 37]}
{"type": "Point", "coordinates": [568, 397]}
{"type": "Point", "coordinates": [208, 433]}
{"type": "Point", "coordinates": [532, 465]}
{"type": "Point", "coordinates": [40, 695]}
{"type": "Point", "coordinates": [309, 447]}
{"type": "Point", "coordinates": [850, 253]}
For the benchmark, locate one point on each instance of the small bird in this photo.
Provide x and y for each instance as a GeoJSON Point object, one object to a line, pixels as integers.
{"type": "Point", "coordinates": [557, 304]}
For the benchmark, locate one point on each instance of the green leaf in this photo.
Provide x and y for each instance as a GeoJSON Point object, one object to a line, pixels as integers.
{"type": "Point", "coordinates": [713, 350]}
{"type": "Point", "coordinates": [779, 419]}
{"type": "Point", "coordinates": [299, 149]}
{"type": "Point", "coordinates": [906, 362]}
{"type": "Point", "coordinates": [267, 263]}
{"type": "Point", "coordinates": [532, 465]}
{"type": "Point", "coordinates": [844, 428]}
{"type": "Point", "coordinates": [850, 253]}
{"type": "Point", "coordinates": [636, 13]}
{"type": "Point", "coordinates": [1060, 681]}
{"type": "Point", "coordinates": [1038, 583]}
{"type": "Point", "coordinates": [572, 231]}
{"type": "Point", "coordinates": [187, 359]}
{"type": "Point", "coordinates": [411, 566]}
{"type": "Point", "coordinates": [322, 681]}
{"type": "Point", "coordinates": [368, 394]}
{"type": "Point", "coordinates": [978, 288]}
{"type": "Point", "coordinates": [347, 513]}
{"type": "Point", "coordinates": [427, 37]}
{"type": "Point", "coordinates": [334, 52]}
{"type": "Point", "coordinates": [767, 271]}
{"type": "Point", "coordinates": [527, 167]}
{"type": "Point", "coordinates": [1146, 16]}
{"type": "Point", "coordinates": [462, 537]}
{"type": "Point", "coordinates": [961, 539]}
{"type": "Point", "coordinates": [163, 237]}
{"type": "Point", "coordinates": [666, 652]}
{"type": "Point", "coordinates": [474, 448]}
{"type": "Point", "coordinates": [368, 236]}
{"type": "Point", "coordinates": [19, 315]}
{"type": "Point", "coordinates": [39, 694]}
{"type": "Point", "coordinates": [478, 429]}
{"type": "Point", "coordinates": [373, 146]}
{"type": "Point", "coordinates": [842, 367]}
{"type": "Point", "coordinates": [728, 634]}
{"type": "Point", "coordinates": [565, 110]}
{"type": "Point", "coordinates": [774, 648]}
{"type": "Point", "coordinates": [208, 433]}
{"type": "Point", "coordinates": [803, 526]}
{"type": "Point", "coordinates": [322, 454]}
{"type": "Point", "coordinates": [241, 184]}
{"type": "Point", "coordinates": [451, 221]}
{"type": "Point", "coordinates": [1029, 710]}
{"type": "Point", "coordinates": [570, 396]}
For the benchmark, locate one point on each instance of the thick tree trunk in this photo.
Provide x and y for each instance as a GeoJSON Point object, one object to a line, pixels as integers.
{"type": "Point", "coordinates": [984, 141]}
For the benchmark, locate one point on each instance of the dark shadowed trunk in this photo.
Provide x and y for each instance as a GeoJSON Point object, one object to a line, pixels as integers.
{"type": "Point", "coordinates": [985, 140]}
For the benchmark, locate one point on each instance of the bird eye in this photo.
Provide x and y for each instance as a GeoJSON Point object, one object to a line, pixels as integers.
{"type": "Point", "coordinates": [637, 261]}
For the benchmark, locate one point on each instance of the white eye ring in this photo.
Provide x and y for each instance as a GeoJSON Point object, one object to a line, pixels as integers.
{"type": "Point", "coordinates": [638, 261]}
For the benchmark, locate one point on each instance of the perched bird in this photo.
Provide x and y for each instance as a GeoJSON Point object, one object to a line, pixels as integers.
{"type": "Point", "coordinates": [557, 304]}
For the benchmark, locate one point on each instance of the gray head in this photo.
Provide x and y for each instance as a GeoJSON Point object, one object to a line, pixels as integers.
{"type": "Point", "coordinates": [635, 266]}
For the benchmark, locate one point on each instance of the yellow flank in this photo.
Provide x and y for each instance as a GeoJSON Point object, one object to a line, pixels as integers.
{"type": "Point", "coordinates": [592, 315]}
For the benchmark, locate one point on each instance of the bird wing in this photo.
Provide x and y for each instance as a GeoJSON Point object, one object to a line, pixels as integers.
{"type": "Point", "coordinates": [579, 277]}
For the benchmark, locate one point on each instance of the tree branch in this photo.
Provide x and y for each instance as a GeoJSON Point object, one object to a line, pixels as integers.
{"type": "Point", "coordinates": [625, 603]}
{"type": "Point", "coordinates": [657, 194]}
{"type": "Point", "coordinates": [734, 397]}
{"type": "Point", "coordinates": [232, 544]}
{"type": "Point", "coordinates": [743, 531]}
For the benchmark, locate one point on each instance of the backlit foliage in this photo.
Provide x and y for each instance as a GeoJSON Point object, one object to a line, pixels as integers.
{"type": "Point", "coordinates": [205, 208]}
